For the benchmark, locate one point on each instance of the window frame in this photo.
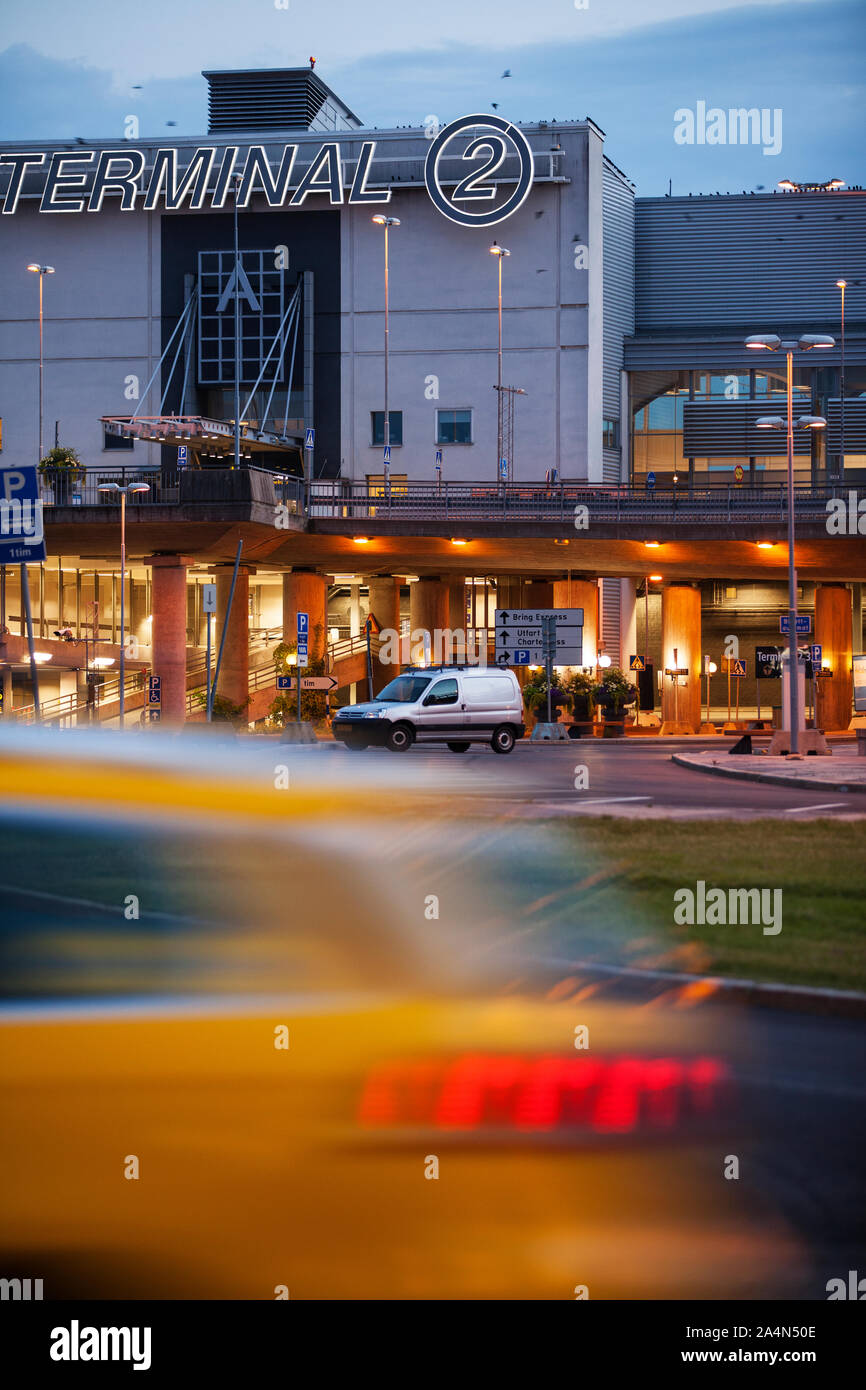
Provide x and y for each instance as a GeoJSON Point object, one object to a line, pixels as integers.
{"type": "Point", "coordinates": [454, 410]}
{"type": "Point", "coordinates": [380, 443]}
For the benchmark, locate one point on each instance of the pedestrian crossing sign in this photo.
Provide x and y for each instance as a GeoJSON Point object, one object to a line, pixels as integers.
{"type": "Point", "coordinates": [636, 663]}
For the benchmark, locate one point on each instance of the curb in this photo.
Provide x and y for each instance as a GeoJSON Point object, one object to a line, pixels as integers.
{"type": "Point", "coordinates": [838, 1003]}
{"type": "Point", "coordinates": [777, 779]}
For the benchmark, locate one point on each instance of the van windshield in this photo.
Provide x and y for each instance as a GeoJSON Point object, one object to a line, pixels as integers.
{"type": "Point", "coordinates": [404, 689]}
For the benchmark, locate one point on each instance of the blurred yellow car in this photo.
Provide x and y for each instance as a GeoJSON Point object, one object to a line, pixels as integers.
{"type": "Point", "coordinates": [265, 1033]}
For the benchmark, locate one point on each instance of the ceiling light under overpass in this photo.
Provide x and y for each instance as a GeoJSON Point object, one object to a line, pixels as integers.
{"type": "Point", "coordinates": [361, 540]}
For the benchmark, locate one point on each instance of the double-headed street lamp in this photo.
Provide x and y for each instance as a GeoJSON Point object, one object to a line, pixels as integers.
{"type": "Point", "coordinates": [131, 489]}
{"type": "Point", "coordinates": [387, 223]}
{"type": "Point", "coordinates": [500, 252]}
{"type": "Point", "coordinates": [771, 342]}
{"type": "Point", "coordinates": [41, 271]}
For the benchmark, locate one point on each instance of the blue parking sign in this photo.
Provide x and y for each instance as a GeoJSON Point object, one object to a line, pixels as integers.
{"type": "Point", "coordinates": [303, 623]}
{"type": "Point", "coordinates": [521, 658]}
{"type": "Point", "coordinates": [22, 531]}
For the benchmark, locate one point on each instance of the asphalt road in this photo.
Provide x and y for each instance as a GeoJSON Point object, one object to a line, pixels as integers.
{"type": "Point", "coordinates": [620, 777]}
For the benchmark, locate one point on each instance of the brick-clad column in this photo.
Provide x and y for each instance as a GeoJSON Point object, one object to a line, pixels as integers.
{"type": "Point", "coordinates": [169, 633]}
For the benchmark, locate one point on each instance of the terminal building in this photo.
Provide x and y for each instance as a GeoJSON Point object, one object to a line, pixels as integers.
{"type": "Point", "coordinates": [614, 374]}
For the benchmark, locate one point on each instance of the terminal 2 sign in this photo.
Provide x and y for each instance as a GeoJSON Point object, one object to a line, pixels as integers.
{"type": "Point", "coordinates": [79, 180]}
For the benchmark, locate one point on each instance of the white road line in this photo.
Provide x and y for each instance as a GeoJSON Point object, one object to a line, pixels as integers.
{"type": "Point", "coordinates": [603, 800]}
{"type": "Point", "coordinates": [824, 806]}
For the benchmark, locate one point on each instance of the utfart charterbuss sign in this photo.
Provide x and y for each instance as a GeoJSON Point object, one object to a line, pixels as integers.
{"type": "Point", "coordinates": [76, 181]}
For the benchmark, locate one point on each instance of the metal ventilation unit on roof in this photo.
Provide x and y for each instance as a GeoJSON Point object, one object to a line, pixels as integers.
{"type": "Point", "coordinates": [284, 99]}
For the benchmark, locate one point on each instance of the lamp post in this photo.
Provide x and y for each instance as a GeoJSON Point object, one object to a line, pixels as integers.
{"type": "Point", "coordinates": [840, 285]}
{"type": "Point", "coordinates": [130, 488]}
{"type": "Point", "coordinates": [387, 223]}
{"type": "Point", "coordinates": [41, 271]}
{"type": "Point", "coordinates": [771, 342]}
{"type": "Point", "coordinates": [238, 348]}
{"type": "Point", "coordinates": [500, 252]}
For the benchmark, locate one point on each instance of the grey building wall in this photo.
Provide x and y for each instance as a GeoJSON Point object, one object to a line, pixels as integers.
{"type": "Point", "coordinates": [102, 310]}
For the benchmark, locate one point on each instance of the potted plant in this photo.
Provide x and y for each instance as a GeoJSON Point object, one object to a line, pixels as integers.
{"type": "Point", "coordinates": [60, 466]}
{"type": "Point", "coordinates": [612, 694]}
{"type": "Point", "coordinates": [535, 696]}
{"type": "Point", "coordinates": [580, 689]}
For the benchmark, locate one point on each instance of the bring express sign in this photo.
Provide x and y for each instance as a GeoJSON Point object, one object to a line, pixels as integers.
{"type": "Point", "coordinates": [79, 180]}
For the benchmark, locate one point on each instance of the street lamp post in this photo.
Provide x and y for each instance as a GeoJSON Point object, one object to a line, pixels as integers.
{"type": "Point", "coordinates": [123, 491]}
{"type": "Point", "coordinates": [387, 223]}
{"type": "Point", "coordinates": [41, 271]}
{"type": "Point", "coordinates": [840, 285]}
{"type": "Point", "coordinates": [771, 342]}
{"type": "Point", "coordinates": [500, 253]}
{"type": "Point", "coordinates": [238, 361]}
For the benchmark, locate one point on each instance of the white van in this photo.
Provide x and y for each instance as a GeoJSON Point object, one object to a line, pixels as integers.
{"type": "Point", "coordinates": [455, 705]}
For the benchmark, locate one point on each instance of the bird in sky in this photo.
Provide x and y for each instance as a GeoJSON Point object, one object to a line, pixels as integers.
{"type": "Point", "coordinates": [495, 105]}
{"type": "Point", "coordinates": [507, 72]}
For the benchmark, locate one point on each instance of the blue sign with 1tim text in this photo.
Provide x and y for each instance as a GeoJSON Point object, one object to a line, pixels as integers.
{"type": "Point", "coordinates": [22, 532]}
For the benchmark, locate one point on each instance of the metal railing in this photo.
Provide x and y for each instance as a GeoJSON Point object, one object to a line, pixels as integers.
{"type": "Point", "coordinates": [358, 501]}
{"type": "Point", "coordinates": [519, 502]}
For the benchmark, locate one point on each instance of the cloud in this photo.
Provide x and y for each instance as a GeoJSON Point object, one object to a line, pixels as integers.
{"type": "Point", "coordinates": [630, 84]}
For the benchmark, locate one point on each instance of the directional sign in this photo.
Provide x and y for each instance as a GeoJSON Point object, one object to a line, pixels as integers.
{"type": "Point", "coordinates": [154, 690]}
{"type": "Point", "coordinates": [309, 439]}
{"type": "Point", "coordinates": [22, 533]}
{"type": "Point", "coordinates": [208, 598]}
{"type": "Point", "coordinates": [153, 715]}
{"type": "Point", "coordinates": [302, 653]}
{"type": "Point", "coordinates": [307, 683]}
{"type": "Point", "coordinates": [804, 623]}
{"type": "Point", "coordinates": [520, 632]}
{"type": "Point", "coordinates": [768, 663]}
{"type": "Point", "coordinates": [636, 663]}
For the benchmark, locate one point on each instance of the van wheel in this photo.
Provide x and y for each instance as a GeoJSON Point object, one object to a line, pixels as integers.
{"type": "Point", "coordinates": [356, 744]}
{"type": "Point", "coordinates": [459, 747]}
{"type": "Point", "coordinates": [400, 738]}
{"type": "Point", "coordinates": [503, 739]}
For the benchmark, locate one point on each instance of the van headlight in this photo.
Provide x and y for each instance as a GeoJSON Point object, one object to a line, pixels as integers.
{"type": "Point", "coordinates": [375, 714]}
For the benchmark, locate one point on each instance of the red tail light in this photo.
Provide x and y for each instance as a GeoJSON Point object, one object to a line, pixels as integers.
{"type": "Point", "coordinates": [491, 1091]}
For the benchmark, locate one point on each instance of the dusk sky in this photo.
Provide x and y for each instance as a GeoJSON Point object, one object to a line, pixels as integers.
{"type": "Point", "coordinates": [628, 64]}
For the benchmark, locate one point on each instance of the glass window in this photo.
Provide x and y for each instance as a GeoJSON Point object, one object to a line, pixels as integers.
{"type": "Point", "coordinates": [453, 426]}
{"type": "Point", "coordinates": [443, 693]}
{"type": "Point", "coordinates": [405, 690]}
{"type": "Point", "coordinates": [395, 426]}
{"type": "Point", "coordinates": [115, 441]}
{"type": "Point", "coordinates": [610, 434]}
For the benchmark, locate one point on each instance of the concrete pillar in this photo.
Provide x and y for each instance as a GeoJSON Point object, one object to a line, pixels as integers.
{"type": "Point", "coordinates": [627, 620]}
{"type": "Point", "coordinates": [833, 629]}
{"type": "Point", "coordinates": [169, 633]}
{"type": "Point", "coordinates": [581, 593]}
{"type": "Point", "coordinates": [384, 601]}
{"type": "Point", "coordinates": [384, 608]}
{"type": "Point", "coordinates": [234, 680]}
{"type": "Point", "coordinates": [681, 631]}
{"type": "Point", "coordinates": [304, 591]}
{"type": "Point", "coordinates": [428, 613]}
{"type": "Point", "coordinates": [355, 610]}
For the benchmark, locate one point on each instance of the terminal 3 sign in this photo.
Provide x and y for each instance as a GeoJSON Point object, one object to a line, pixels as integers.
{"type": "Point", "coordinates": [80, 180]}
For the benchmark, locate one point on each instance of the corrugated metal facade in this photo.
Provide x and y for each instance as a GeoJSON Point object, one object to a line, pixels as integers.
{"type": "Point", "coordinates": [756, 263]}
{"type": "Point", "coordinates": [618, 282]}
{"type": "Point", "coordinates": [726, 429]}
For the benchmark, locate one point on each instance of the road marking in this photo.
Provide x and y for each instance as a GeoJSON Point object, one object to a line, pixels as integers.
{"type": "Point", "coordinates": [603, 800]}
{"type": "Point", "coordinates": [824, 806]}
